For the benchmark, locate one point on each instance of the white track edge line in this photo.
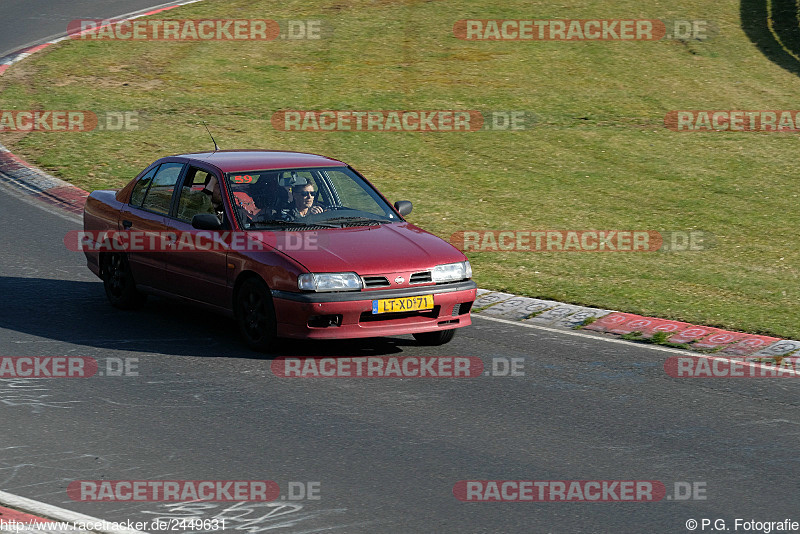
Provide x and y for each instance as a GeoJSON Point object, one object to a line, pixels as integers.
{"type": "Point", "coordinates": [14, 192]}
{"type": "Point", "coordinates": [55, 513]}
{"type": "Point", "coordinates": [588, 336]}
{"type": "Point", "coordinates": [634, 344]}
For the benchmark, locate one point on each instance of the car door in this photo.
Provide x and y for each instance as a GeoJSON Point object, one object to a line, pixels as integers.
{"type": "Point", "coordinates": [196, 274]}
{"type": "Point", "coordinates": [145, 214]}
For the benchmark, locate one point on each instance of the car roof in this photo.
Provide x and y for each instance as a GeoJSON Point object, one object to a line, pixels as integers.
{"type": "Point", "coordinates": [252, 160]}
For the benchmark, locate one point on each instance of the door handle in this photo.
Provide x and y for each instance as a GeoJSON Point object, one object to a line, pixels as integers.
{"type": "Point", "coordinates": [126, 224]}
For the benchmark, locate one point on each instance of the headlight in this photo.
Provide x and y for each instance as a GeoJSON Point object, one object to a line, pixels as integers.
{"type": "Point", "coordinates": [329, 282]}
{"type": "Point", "coordinates": [452, 272]}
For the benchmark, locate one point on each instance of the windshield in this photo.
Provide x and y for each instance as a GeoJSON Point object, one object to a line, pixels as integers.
{"type": "Point", "coordinates": [297, 198]}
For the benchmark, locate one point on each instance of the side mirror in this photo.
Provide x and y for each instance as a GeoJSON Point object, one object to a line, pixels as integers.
{"type": "Point", "coordinates": [206, 221]}
{"type": "Point", "coordinates": [403, 207]}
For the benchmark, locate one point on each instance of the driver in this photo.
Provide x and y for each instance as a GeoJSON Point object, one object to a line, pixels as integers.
{"type": "Point", "coordinates": [212, 190]}
{"type": "Point", "coordinates": [303, 203]}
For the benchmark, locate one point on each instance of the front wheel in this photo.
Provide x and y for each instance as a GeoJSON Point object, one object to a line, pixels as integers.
{"type": "Point", "coordinates": [439, 337]}
{"type": "Point", "coordinates": [119, 284]}
{"type": "Point", "coordinates": [256, 315]}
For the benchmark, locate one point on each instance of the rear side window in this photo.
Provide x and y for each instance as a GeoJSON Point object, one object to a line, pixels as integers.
{"type": "Point", "coordinates": [140, 189]}
{"type": "Point", "coordinates": [159, 195]}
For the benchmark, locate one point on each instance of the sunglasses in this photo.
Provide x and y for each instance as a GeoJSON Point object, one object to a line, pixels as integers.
{"type": "Point", "coordinates": [306, 193]}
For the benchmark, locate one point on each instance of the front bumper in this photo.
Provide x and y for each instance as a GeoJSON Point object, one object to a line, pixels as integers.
{"type": "Point", "coordinates": [300, 315]}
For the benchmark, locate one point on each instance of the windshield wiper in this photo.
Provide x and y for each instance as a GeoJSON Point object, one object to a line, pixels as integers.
{"type": "Point", "coordinates": [281, 222]}
{"type": "Point", "coordinates": [354, 219]}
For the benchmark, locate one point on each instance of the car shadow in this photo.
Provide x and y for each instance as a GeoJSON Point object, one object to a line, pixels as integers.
{"type": "Point", "coordinates": [772, 25]}
{"type": "Point", "coordinates": [77, 313]}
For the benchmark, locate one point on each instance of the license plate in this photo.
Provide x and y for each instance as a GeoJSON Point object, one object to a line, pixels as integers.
{"type": "Point", "coordinates": [425, 302]}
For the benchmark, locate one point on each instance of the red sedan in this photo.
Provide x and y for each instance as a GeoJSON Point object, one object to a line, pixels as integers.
{"type": "Point", "coordinates": [290, 244]}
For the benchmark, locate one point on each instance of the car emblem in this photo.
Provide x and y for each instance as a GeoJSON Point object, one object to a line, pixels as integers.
{"type": "Point", "coordinates": [399, 280]}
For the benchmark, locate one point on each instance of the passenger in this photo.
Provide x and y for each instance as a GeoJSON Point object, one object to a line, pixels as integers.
{"type": "Point", "coordinates": [272, 199]}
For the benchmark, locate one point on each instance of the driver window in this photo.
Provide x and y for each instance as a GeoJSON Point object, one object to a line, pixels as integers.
{"type": "Point", "coordinates": [196, 194]}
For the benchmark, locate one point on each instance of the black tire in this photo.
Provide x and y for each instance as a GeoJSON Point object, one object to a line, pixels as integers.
{"type": "Point", "coordinates": [255, 315]}
{"type": "Point", "coordinates": [119, 283]}
{"type": "Point", "coordinates": [439, 337]}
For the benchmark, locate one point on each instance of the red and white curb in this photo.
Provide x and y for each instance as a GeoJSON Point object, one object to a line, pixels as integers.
{"type": "Point", "coordinates": [19, 56]}
{"type": "Point", "coordinates": [19, 515]}
{"type": "Point", "coordinates": [34, 182]}
{"type": "Point", "coordinates": [553, 314]}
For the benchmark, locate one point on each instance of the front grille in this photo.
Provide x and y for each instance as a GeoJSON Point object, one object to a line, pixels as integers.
{"type": "Point", "coordinates": [375, 281]}
{"type": "Point", "coordinates": [420, 278]}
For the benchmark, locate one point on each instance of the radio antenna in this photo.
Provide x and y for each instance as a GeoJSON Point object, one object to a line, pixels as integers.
{"type": "Point", "coordinates": [211, 136]}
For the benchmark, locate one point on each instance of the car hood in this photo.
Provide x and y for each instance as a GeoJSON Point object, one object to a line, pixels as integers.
{"type": "Point", "coordinates": [366, 250]}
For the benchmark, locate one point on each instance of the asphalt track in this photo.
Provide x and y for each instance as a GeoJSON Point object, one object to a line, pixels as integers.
{"type": "Point", "coordinates": [386, 452]}
{"type": "Point", "coordinates": [774, 27]}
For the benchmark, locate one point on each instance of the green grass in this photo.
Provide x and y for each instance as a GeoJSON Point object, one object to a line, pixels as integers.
{"type": "Point", "coordinates": [599, 156]}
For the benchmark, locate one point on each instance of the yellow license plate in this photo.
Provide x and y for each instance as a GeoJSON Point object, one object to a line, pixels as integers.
{"type": "Point", "coordinates": [424, 302]}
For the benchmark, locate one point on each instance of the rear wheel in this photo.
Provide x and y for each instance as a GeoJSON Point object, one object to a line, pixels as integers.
{"type": "Point", "coordinates": [439, 337]}
{"type": "Point", "coordinates": [256, 315]}
{"type": "Point", "coordinates": [119, 284]}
